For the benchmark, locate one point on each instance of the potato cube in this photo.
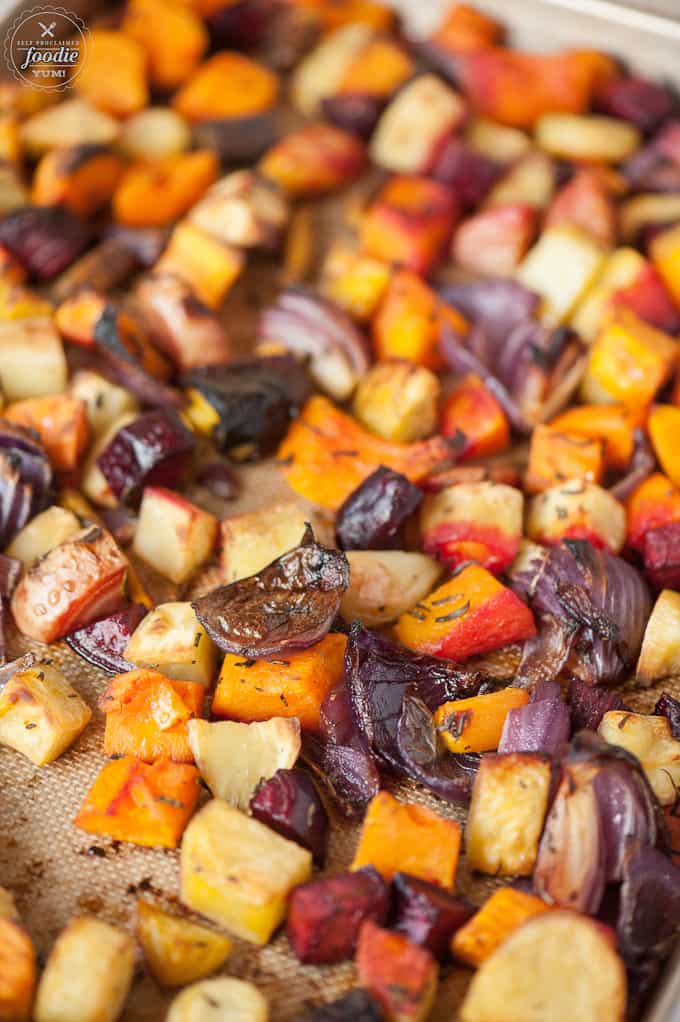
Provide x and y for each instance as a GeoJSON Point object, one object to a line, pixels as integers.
{"type": "Point", "coordinates": [660, 653]}
{"type": "Point", "coordinates": [587, 137]}
{"type": "Point", "coordinates": [219, 1000]}
{"type": "Point", "coordinates": [43, 533]}
{"type": "Point", "coordinates": [320, 73]}
{"type": "Point", "coordinates": [253, 540]}
{"type": "Point", "coordinates": [234, 757]}
{"type": "Point", "coordinates": [649, 738]}
{"type": "Point", "coordinates": [384, 584]}
{"type": "Point", "coordinates": [497, 141]}
{"type": "Point", "coordinates": [419, 117]}
{"type": "Point", "coordinates": [397, 401]}
{"type": "Point", "coordinates": [619, 270]}
{"type": "Point", "coordinates": [401, 976]}
{"type": "Point", "coordinates": [529, 181]}
{"type": "Point", "coordinates": [560, 267]}
{"type": "Point", "coordinates": [254, 690]}
{"type": "Point", "coordinates": [41, 714]}
{"type": "Point", "coordinates": [628, 363]}
{"type": "Point", "coordinates": [32, 360]}
{"type": "Point", "coordinates": [18, 971]}
{"type": "Point", "coordinates": [172, 534]}
{"type": "Point", "coordinates": [499, 916]}
{"type": "Point", "coordinates": [238, 872]}
{"type": "Point", "coordinates": [88, 974]}
{"type": "Point", "coordinates": [398, 837]}
{"type": "Point", "coordinates": [105, 401]}
{"type": "Point", "coordinates": [176, 950]}
{"type": "Point", "coordinates": [577, 510]}
{"type": "Point", "coordinates": [507, 809]}
{"type": "Point", "coordinates": [171, 640]}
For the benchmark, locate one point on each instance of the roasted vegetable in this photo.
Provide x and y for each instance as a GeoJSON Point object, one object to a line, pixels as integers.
{"type": "Point", "coordinates": [577, 509]}
{"type": "Point", "coordinates": [227, 85]}
{"type": "Point", "coordinates": [541, 725]}
{"type": "Point", "coordinates": [399, 837]}
{"type": "Point", "coordinates": [18, 972]}
{"type": "Point", "coordinates": [649, 738]}
{"type": "Point", "coordinates": [326, 915]}
{"type": "Point", "coordinates": [557, 247]}
{"type": "Point", "coordinates": [586, 137]}
{"type": "Point", "coordinates": [356, 1005]}
{"type": "Point", "coordinates": [209, 267]}
{"type": "Point", "coordinates": [221, 842]}
{"type": "Point", "coordinates": [476, 724]}
{"type": "Point", "coordinates": [75, 583]}
{"type": "Point", "coordinates": [60, 422]}
{"type": "Point", "coordinates": [315, 159]}
{"type": "Point", "coordinates": [154, 134]}
{"type": "Point", "coordinates": [473, 419]}
{"type": "Point", "coordinates": [373, 515]}
{"type": "Point", "coordinates": [90, 988]}
{"type": "Point", "coordinates": [384, 584]}
{"type": "Point", "coordinates": [507, 809]}
{"type": "Point", "coordinates": [153, 194]}
{"type": "Point", "coordinates": [104, 642]}
{"type": "Point", "coordinates": [556, 456]}
{"type": "Point", "coordinates": [557, 951]}
{"type": "Point", "coordinates": [152, 449]}
{"type": "Point", "coordinates": [232, 758]}
{"type": "Point", "coordinates": [82, 178]}
{"type": "Point", "coordinates": [353, 280]}
{"type": "Point", "coordinates": [43, 533]}
{"type": "Point", "coordinates": [529, 180]}
{"type": "Point", "coordinates": [320, 73]}
{"type": "Point", "coordinates": [243, 209]}
{"type": "Point", "coordinates": [401, 976]}
{"type": "Point", "coordinates": [584, 202]}
{"type": "Point", "coordinates": [500, 915]}
{"type": "Point", "coordinates": [173, 37]}
{"type": "Point", "coordinates": [73, 122]}
{"type": "Point", "coordinates": [251, 541]}
{"type": "Point", "coordinates": [427, 915]}
{"type": "Point", "coordinates": [41, 714]}
{"type": "Point", "coordinates": [172, 534]}
{"type": "Point", "coordinates": [146, 804]}
{"type": "Point", "coordinates": [289, 803]}
{"type": "Point", "coordinates": [664, 252]}
{"type": "Point", "coordinates": [176, 950]}
{"type": "Point", "coordinates": [473, 613]}
{"type": "Point", "coordinates": [113, 77]}
{"type": "Point", "coordinates": [398, 401]}
{"type": "Point", "coordinates": [215, 999]}
{"type": "Point", "coordinates": [179, 324]}
{"type": "Point", "coordinates": [655, 502]}
{"type": "Point", "coordinates": [660, 652]}
{"type": "Point", "coordinates": [251, 690]}
{"type": "Point", "coordinates": [104, 401]}
{"type": "Point", "coordinates": [495, 240]}
{"type": "Point", "coordinates": [32, 342]}
{"type": "Point", "coordinates": [170, 639]}
{"type": "Point", "coordinates": [662, 556]}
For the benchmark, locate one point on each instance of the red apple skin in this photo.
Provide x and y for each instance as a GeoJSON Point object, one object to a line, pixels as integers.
{"type": "Point", "coordinates": [495, 240]}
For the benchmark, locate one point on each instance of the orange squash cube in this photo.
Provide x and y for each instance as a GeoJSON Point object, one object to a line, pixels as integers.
{"type": "Point", "coordinates": [227, 85]}
{"type": "Point", "coordinates": [471, 613]}
{"type": "Point", "coordinates": [145, 804]}
{"type": "Point", "coordinates": [354, 281]}
{"type": "Point", "coordinates": [206, 265]}
{"type": "Point", "coordinates": [656, 501]}
{"type": "Point", "coordinates": [313, 160]}
{"type": "Point", "coordinates": [664, 432]}
{"type": "Point", "coordinates": [399, 837]}
{"type": "Point", "coordinates": [555, 456]}
{"type": "Point", "coordinates": [153, 194]}
{"type": "Point", "coordinates": [472, 417]}
{"type": "Point", "coordinates": [113, 73]}
{"type": "Point", "coordinates": [146, 716]}
{"type": "Point", "coordinates": [60, 422]}
{"type": "Point", "coordinates": [612, 425]}
{"type": "Point", "coordinates": [464, 30]}
{"type": "Point", "coordinates": [410, 320]}
{"type": "Point", "coordinates": [410, 222]}
{"type": "Point", "coordinates": [334, 15]}
{"type": "Point", "coordinates": [173, 36]}
{"type": "Point", "coordinates": [81, 177]}
{"type": "Point", "coordinates": [503, 912]}
{"type": "Point", "coordinates": [18, 971]}
{"type": "Point", "coordinates": [327, 454]}
{"type": "Point", "coordinates": [629, 361]}
{"type": "Point", "coordinates": [665, 252]}
{"type": "Point", "coordinates": [399, 975]}
{"type": "Point", "coordinates": [77, 316]}
{"type": "Point", "coordinates": [253, 690]}
{"type": "Point", "coordinates": [380, 68]}
{"type": "Point", "coordinates": [476, 724]}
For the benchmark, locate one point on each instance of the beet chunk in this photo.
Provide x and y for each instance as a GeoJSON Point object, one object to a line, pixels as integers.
{"type": "Point", "coordinates": [289, 803]}
{"type": "Point", "coordinates": [325, 916]}
{"type": "Point", "coordinates": [356, 1006]}
{"type": "Point", "coordinates": [45, 239]}
{"type": "Point", "coordinates": [372, 516]}
{"type": "Point", "coordinates": [662, 556]}
{"type": "Point", "coordinates": [426, 914]}
{"type": "Point", "coordinates": [152, 449]}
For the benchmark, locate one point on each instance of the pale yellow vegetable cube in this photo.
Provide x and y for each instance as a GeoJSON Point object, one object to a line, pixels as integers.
{"type": "Point", "coordinates": [560, 267]}
{"type": "Point", "coordinates": [384, 584]}
{"type": "Point", "coordinates": [176, 950]}
{"type": "Point", "coordinates": [660, 653]}
{"type": "Point", "coordinates": [43, 533]}
{"type": "Point", "coordinates": [173, 535]}
{"type": "Point", "coordinates": [649, 738]}
{"type": "Point", "coordinates": [105, 401]}
{"type": "Point", "coordinates": [253, 540]}
{"type": "Point", "coordinates": [619, 270]}
{"type": "Point", "coordinates": [41, 714]}
{"type": "Point", "coordinates": [587, 137]}
{"type": "Point", "coordinates": [171, 639]}
{"type": "Point", "coordinates": [219, 1000]}
{"type": "Point", "coordinates": [32, 360]}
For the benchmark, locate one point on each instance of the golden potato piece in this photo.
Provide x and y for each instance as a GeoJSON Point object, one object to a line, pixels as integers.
{"type": "Point", "coordinates": [219, 1000]}
{"type": "Point", "coordinates": [178, 951]}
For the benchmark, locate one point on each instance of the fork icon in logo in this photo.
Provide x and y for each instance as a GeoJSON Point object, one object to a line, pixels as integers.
{"type": "Point", "coordinates": [47, 30]}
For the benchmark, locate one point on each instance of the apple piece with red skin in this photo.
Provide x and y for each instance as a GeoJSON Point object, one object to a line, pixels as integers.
{"type": "Point", "coordinates": [584, 202]}
{"type": "Point", "coordinates": [495, 240]}
{"type": "Point", "coordinates": [77, 582]}
{"type": "Point", "coordinates": [180, 324]}
{"type": "Point", "coordinates": [473, 522]}
{"type": "Point", "coordinates": [172, 534]}
{"type": "Point", "coordinates": [650, 299]}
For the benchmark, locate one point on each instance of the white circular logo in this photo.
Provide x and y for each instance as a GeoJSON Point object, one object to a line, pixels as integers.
{"type": "Point", "coordinates": [46, 47]}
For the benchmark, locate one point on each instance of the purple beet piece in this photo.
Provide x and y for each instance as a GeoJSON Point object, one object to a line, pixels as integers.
{"type": "Point", "coordinates": [356, 1006]}
{"type": "Point", "coordinates": [290, 804]}
{"type": "Point", "coordinates": [103, 642]}
{"type": "Point", "coordinates": [426, 914]}
{"type": "Point", "coordinates": [662, 556]}
{"type": "Point", "coordinates": [372, 517]}
{"type": "Point", "coordinates": [645, 104]}
{"type": "Point", "coordinates": [470, 174]}
{"type": "Point", "coordinates": [45, 239]}
{"type": "Point", "coordinates": [589, 703]}
{"type": "Point", "coordinates": [153, 449]}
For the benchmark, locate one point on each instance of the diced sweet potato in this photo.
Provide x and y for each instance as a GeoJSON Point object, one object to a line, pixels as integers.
{"type": "Point", "coordinates": [398, 837]}
{"type": "Point", "coordinates": [41, 714]}
{"type": "Point", "coordinates": [410, 222]}
{"type": "Point", "coordinates": [414, 124]}
{"type": "Point", "coordinates": [664, 432]}
{"type": "Point", "coordinates": [507, 809]}
{"type": "Point", "coordinates": [227, 85]}
{"type": "Point", "coordinates": [112, 74]}
{"type": "Point", "coordinates": [252, 690]}
{"type": "Point", "coordinates": [326, 915]}
{"type": "Point", "coordinates": [313, 160]}
{"type": "Point", "coordinates": [354, 281]}
{"type": "Point", "coordinates": [172, 534]}
{"type": "Point", "coordinates": [473, 419]}
{"type": "Point", "coordinates": [473, 522]}
{"type": "Point", "coordinates": [612, 425]}
{"type": "Point", "coordinates": [577, 510]}
{"type": "Point", "coordinates": [556, 455]}
{"type": "Point", "coordinates": [476, 724]}
{"type": "Point", "coordinates": [501, 914]}
{"type": "Point", "coordinates": [426, 914]}
{"type": "Point", "coordinates": [378, 70]}
{"type": "Point", "coordinates": [77, 582]}
{"type": "Point", "coordinates": [472, 613]}
{"type": "Point", "coordinates": [629, 361]}
{"type": "Point", "coordinates": [401, 976]}
{"type": "Point", "coordinates": [316, 464]}
{"type": "Point", "coordinates": [146, 804]}
{"type": "Point", "coordinates": [495, 240]}
{"type": "Point", "coordinates": [146, 716]}
{"type": "Point", "coordinates": [549, 964]}
{"type": "Point", "coordinates": [208, 266]}
{"type": "Point", "coordinates": [177, 951]}
{"type": "Point", "coordinates": [61, 424]}
{"type": "Point", "coordinates": [18, 972]}
{"type": "Point", "coordinates": [584, 202]}
{"type": "Point", "coordinates": [560, 267]}
{"type": "Point", "coordinates": [665, 252]}
{"type": "Point", "coordinates": [152, 194]}
{"type": "Point", "coordinates": [655, 502]}
{"type": "Point", "coordinates": [77, 316]}
{"type": "Point", "coordinates": [465, 29]}
{"type": "Point", "coordinates": [83, 178]}
{"type": "Point", "coordinates": [397, 400]}
{"type": "Point", "coordinates": [409, 321]}
{"type": "Point", "coordinates": [173, 37]}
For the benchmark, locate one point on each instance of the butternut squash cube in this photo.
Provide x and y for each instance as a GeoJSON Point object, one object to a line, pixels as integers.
{"type": "Point", "coordinates": [501, 914]}
{"type": "Point", "coordinates": [208, 266]}
{"type": "Point", "coordinates": [112, 74]}
{"type": "Point", "coordinates": [476, 724]}
{"type": "Point", "coordinates": [555, 456]}
{"type": "Point", "coordinates": [664, 432]}
{"type": "Point", "coordinates": [18, 971]}
{"type": "Point", "coordinates": [665, 253]}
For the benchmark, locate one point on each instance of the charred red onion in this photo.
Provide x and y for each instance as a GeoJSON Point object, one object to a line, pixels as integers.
{"type": "Point", "coordinates": [25, 479]}
{"type": "Point", "coordinates": [542, 725]}
{"type": "Point", "coordinates": [668, 707]}
{"type": "Point", "coordinates": [649, 912]}
{"type": "Point", "coordinates": [103, 643]}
